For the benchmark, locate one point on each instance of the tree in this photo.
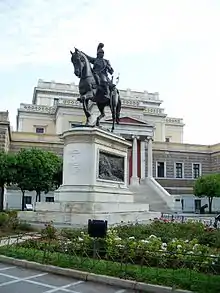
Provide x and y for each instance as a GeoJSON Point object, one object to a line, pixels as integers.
{"type": "Point", "coordinates": [58, 176]}
{"type": "Point", "coordinates": [22, 175]}
{"type": "Point", "coordinates": [36, 171]}
{"type": "Point", "coordinates": [208, 186]}
{"type": "Point", "coordinates": [7, 168]}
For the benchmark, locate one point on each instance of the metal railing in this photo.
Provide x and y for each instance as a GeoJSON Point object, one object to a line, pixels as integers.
{"type": "Point", "coordinates": [191, 270]}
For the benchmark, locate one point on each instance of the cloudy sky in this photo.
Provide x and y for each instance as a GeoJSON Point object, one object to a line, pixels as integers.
{"type": "Point", "coordinates": [169, 46]}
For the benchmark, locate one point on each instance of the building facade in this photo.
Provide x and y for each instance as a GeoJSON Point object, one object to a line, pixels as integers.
{"type": "Point", "coordinates": [157, 152]}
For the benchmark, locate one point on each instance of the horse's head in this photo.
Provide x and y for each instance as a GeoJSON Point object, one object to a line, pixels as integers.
{"type": "Point", "coordinates": [78, 61]}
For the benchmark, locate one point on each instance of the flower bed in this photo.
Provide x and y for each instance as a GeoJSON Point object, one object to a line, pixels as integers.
{"type": "Point", "coordinates": [150, 251]}
{"type": "Point", "coordinates": [178, 278]}
{"type": "Point", "coordinates": [169, 230]}
{"type": "Point", "coordinates": [147, 253]}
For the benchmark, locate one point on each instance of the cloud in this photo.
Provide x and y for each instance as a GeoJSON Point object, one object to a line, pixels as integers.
{"type": "Point", "coordinates": [167, 46]}
{"type": "Point", "coordinates": [43, 31]}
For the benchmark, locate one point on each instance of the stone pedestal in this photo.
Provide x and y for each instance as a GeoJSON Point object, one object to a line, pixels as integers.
{"type": "Point", "coordinates": [95, 176]}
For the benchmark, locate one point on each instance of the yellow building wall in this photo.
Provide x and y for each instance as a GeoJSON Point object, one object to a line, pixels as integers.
{"type": "Point", "coordinates": [29, 124]}
{"type": "Point", "coordinates": [174, 133]}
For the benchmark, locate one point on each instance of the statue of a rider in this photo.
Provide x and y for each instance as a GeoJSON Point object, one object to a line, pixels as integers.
{"type": "Point", "coordinates": [101, 68]}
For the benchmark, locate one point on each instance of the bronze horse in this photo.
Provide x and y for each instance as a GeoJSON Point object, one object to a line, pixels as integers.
{"type": "Point", "coordinates": [90, 91]}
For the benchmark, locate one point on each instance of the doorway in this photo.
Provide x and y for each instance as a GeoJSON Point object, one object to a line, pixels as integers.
{"type": "Point", "coordinates": [160, 169]}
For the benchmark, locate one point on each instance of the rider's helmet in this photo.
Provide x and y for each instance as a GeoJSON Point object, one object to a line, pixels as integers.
{"type": "Point", "coordinates": [100, 50]}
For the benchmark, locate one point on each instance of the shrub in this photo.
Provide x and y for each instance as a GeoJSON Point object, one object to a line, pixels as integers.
{"type": "Point", "coordinates": [3, 219]}
{"type": "Point", "coordinates": [49, 232]}
{"type": "Point", "coordinates": [24, 226]}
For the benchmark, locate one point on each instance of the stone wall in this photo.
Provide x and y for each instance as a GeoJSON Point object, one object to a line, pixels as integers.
{"type": "Point", "coordinates": [20, 140]}
{"type": "Point", "coordinates": [4, 131]}
{"type": "Point", "coordinates": [176, 182]}
{"type": "Point", "coordinates": [187, 158]}
{"type": "Point", "coordinates": [16, 146]}
{"type": "Point", "coordinates": [215, 162]}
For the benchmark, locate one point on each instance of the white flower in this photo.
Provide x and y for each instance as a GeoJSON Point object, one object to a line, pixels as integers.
{"type": "Point", "coordinates": [117, 238]}
{"type": "Point", "coordinates": [195, 246]}
{"type": "Point", "coordinates": [179, 246]}
{"type": "Point", "coordinates": [186, 241]}
{"type": "Point", "coordinates": [144, 241]}
{"type": "Point", "coordinates": [164, 246]}
{"type": "Point", "coordinates": [131, 238]}
{"type": "Point", "coordinates": [153, 236]}
{"type": "Point", "coordinates": [80, 239]}
{"type": "Point", "coordinates": [119, 246]}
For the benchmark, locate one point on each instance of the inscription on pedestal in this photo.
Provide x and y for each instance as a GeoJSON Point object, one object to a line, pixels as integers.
{"type": "Point", "coordinates": [73, 161]}
{"type": "Point", "coordinates": [111, 167]}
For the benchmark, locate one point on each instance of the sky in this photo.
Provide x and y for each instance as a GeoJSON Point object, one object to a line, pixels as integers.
{"type": "Point", "coordinates": [166, 46]}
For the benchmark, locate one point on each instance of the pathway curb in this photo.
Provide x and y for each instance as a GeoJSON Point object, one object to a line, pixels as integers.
{"type": "Point", "coordinates": [85, 276]}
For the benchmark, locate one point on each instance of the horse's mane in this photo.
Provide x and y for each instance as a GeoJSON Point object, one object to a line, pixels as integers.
{"type": "Point", "coordinates": [87, 61]}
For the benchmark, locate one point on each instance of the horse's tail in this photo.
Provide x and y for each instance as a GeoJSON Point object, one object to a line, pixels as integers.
{"type": "Point", "coordinates": [118, 108]}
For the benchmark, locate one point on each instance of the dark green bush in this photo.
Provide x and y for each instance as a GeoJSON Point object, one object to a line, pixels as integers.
{"type": "Point", "coordinates": [3, 219]}
{"type": "Point", "coordinates": [24, 226]}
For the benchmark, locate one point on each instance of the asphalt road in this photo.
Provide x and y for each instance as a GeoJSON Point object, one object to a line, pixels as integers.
{"type": "Point", "coordinates": [18, 280]}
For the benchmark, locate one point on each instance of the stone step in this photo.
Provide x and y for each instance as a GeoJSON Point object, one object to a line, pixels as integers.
{"type": "Point", "coordinates": [145, 194]}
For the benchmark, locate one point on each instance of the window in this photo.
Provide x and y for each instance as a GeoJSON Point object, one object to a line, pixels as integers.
{"type": "Point", "coordinates": [196, 170]}
{"type": "Point", "coordinates": [160, 170]}
{"type": "Point", "coordinates": [197, 205]}
{"type": "Point", "coordinates": [179, 170]}
{"type": "Point", "coordinates": [55, 101]}
{"type": "Point", "coordinates": [49, 199]}
{"type": "Point", "coordinates": [167, 139]}
{"type": "Point", "coordinates": [40, 130]}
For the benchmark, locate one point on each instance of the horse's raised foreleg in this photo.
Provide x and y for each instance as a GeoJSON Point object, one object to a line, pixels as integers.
{"type": "Point", "coordinates": [101, 108]}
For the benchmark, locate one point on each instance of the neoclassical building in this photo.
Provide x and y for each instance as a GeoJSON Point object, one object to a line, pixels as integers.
{"type": "Point", "coordinates": [162, 169]}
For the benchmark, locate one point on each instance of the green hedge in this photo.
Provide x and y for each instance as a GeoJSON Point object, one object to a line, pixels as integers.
{"type": "Point", "coordinates": [181, 278]}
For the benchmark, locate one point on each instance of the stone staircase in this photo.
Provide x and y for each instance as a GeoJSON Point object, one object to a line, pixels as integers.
{"type": "Point", "coordinates": [144, 193]}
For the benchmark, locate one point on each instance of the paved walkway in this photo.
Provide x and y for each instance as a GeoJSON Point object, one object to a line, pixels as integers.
{"type": "Point", "coordinates": [17, 239]}
{"type": "Point", "coordinates": [18, 280]}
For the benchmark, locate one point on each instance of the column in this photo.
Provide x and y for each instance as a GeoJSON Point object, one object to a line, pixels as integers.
{"type": "Point", "coordinates": [134, 178]}
{"type": "Point", "coordinates": [149, 157]}
{"type": "Point", "coordinates": [128, 166]}
{"type": "Point", "coordinates": [143, 159]}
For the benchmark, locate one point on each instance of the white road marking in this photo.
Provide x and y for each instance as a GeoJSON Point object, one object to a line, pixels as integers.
{"type": "Point", "coordinates": [121, 291]}
{"type": "Point", "coordinates": [16, 279]}
{"type": "Point", "coordinates": [6, 268]}
{"type": "Point", "coordinates": [65, 287]}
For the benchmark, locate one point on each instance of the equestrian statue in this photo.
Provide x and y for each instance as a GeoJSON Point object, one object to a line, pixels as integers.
{"type": "Point", "coordinates": [95, 85]}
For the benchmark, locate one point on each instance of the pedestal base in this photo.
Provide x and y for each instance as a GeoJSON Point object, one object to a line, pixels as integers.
{"type": "Point", "coordinates": [76, 219]}
{"type": "Point", "coordinates": [94, 183]}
